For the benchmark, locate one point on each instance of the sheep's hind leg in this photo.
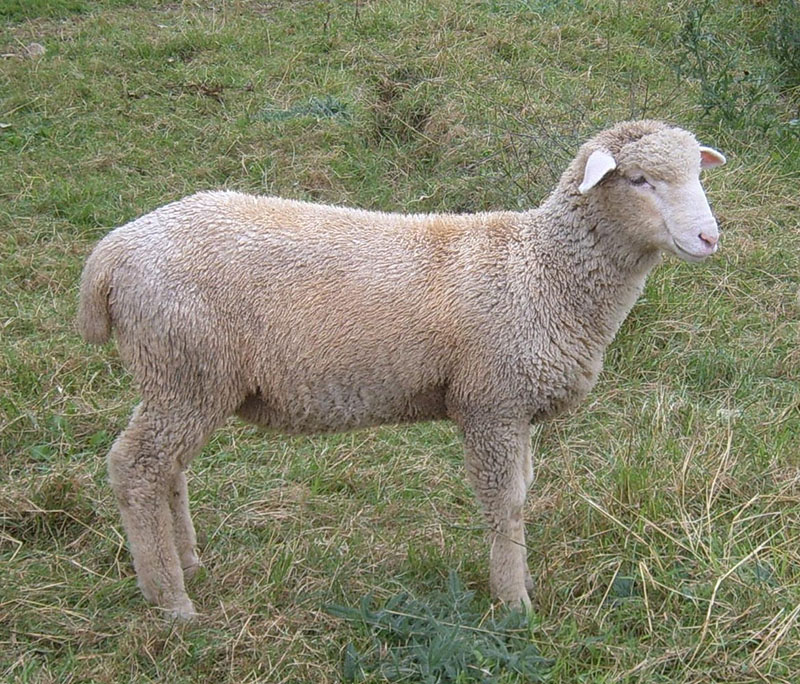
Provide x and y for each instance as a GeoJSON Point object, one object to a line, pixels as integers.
{"type": "Point", "coordinates": [498, 471]}
{"type": "Point", "coordinates": [185, 537]}
{"type": "Point", "coordinates": [143, 465]}
{"type": "Point", "coordinates": [527, 465]}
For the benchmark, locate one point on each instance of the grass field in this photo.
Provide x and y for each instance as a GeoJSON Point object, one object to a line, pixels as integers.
{"type": "Point", "coordinates": [664, 523]}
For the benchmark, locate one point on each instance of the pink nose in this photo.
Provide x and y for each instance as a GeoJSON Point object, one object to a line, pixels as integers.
{"type": "Point", "coordinates": [710, 240]}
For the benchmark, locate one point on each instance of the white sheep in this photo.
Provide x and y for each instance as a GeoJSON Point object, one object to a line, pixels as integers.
{"type": "Point", "coordinates": [310, 318]}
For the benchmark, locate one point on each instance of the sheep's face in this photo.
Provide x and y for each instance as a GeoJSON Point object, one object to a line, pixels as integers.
{"type": "Point", "coordinates": [655, 181]}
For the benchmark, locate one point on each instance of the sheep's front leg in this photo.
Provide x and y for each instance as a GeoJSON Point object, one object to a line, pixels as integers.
{"type": "Point", "coordinates": [498, 466]}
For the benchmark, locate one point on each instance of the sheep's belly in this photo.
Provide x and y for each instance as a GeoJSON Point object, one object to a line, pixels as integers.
{"type": "Point", "coordinates": [336, 408]}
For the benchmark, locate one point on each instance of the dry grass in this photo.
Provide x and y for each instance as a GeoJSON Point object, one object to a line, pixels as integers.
{"type": "Point", "coordinates": [664, 521]}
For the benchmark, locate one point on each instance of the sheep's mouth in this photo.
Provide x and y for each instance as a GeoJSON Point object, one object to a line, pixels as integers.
{"type": "Point", "coordinates": [692, 256]}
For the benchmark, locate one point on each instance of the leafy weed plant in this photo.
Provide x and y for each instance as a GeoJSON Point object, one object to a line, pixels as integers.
{"type": "Point", "coordinates": [443, 638]}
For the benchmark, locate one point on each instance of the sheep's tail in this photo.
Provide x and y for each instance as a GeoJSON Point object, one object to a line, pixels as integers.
{"type": "Point", "coordinates": [94, 317]}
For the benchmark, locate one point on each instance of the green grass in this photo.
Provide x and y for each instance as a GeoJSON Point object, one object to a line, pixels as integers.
{"type": "Point", "coordinates": [665, 518]}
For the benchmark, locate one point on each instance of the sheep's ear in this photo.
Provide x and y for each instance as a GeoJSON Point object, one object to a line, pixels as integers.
{"type": "Point", "coordinates": [598, 165]}
{"type": "Point", "coordinates": [710, 157]}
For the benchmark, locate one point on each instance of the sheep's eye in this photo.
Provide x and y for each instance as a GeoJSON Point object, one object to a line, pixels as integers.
{"type": "Point", "coordinates": [638, 180]}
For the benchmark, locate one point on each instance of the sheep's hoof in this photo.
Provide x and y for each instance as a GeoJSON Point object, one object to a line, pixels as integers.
{"type": "Point", "coordinates": [183, 611]}
{"type": "Point", "coordinates": [524, 603]}
{"type": "Point", "coordinates": [516, 601]}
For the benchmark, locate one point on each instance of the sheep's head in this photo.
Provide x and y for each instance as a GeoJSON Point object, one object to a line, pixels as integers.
{"type": "Point", "coordinates": [647, 174]}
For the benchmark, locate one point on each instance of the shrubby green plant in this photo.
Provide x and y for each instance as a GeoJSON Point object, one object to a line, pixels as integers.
{"type": "Point", "coordinates": [735, 92]}
{"type": "Point", "coordinates": [784, 43]}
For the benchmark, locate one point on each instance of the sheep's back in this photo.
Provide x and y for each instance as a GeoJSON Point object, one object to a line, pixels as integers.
{"type": "Point", "coordinates": [337, 316]}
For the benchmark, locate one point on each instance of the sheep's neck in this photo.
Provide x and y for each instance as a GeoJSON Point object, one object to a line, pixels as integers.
{"type": "Point", "coordinates": [596, 273]}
